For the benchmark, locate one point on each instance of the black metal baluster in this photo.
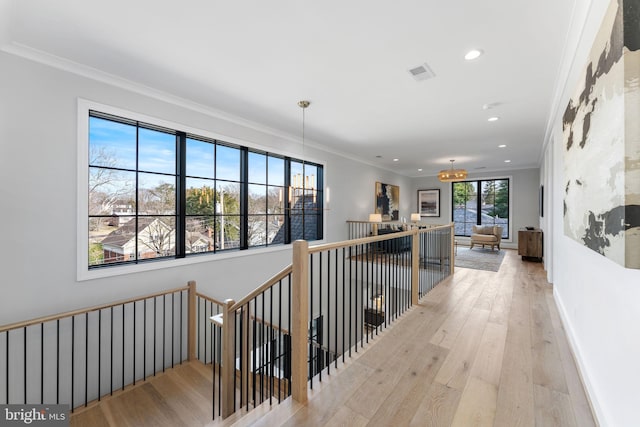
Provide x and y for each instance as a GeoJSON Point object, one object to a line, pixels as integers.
{"type": "Point", "coordinates": [86, 358]}
{"type": "Point", "coordinates": [24, 341]}
{"type": "Point", "coordinates": [173, 327]}
{"type": "Point", "coordinates": [270, 341]}
{"type": "Point", "coordinates": [262, 341]}
{"type": "Point", "coordinates": [164, 332]}
{"type": "Point", "coordinates": [123, 343]}
{"type": "Point", "coordinates": [144, 340]}
{"type": "Point", "coordinates": [57, 363]}
{"type": "Point", "coordinates": [155, 334]}
{"type": "Point", "coordinates": [41, 363]}
{"type": "Point", "coordinates": [99, 355]}
{"type": "Point", "coordinates": [134, 342]}
{"type": "Point", "coordinates": [6, 337]}
{"type": "Point", "coordinates": [73, 336]}
{"type": "Point", "coordinates": [350, 300]}
{"type": "Point", "coordinates": [344, 297]}
{"type": "Point", "coordinates": [111, 358]}
{"type": "Point", "coordinates": [318, 349]}
{"type": "Point", "coordinates": [181, 342]}
{"type": "Point", "coordinates": [310, 322]}
{"type": "Point", "coordinates": [213, 373]}
{"type": "Point", "coordinates": [280, 370]}
{"type": "Point", "coordinates": [335, 311]}
{"type": "Point", "coordinates": [254, 324]}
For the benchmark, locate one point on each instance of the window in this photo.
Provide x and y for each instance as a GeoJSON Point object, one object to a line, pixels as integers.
{"type": "Point", "coordinates": [155, 193]}
{"type": "Point", "coordinates": [481, 202]}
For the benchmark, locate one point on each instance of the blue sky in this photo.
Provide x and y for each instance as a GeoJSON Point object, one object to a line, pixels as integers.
{"type": "Point", "coordinates": [157, 153]}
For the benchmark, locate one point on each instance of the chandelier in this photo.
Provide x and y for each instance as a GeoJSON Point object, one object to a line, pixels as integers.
{"type": "Point", "coordinates": [452, 175]}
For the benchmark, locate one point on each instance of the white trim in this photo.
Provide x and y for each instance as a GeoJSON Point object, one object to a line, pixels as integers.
{"type": "Point", "coordinates": [577, 353]}
{"type": "Point", "coordinates": [562, 80]}
{"type": "Point", "coordinates": [489, 178]}
{"type": "Point", "coordinates": [82, 268]}
{"type": "Point", "coordinates": [86, 71]}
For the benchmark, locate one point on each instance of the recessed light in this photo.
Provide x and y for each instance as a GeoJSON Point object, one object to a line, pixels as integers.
{"type": "Point", "coordinates": [493, 119]}
{"type": "Point", "coordinates": [473, 54]}
{"type": "Point", "coordinates": [395, 160]}
{"type": "Point", "coordinates": [502, 145]}
{"type": "Point", "coordinates": [378, 157]}
{"type": "Point", "coordinates": [420, 170]}
{"type": "Point", "coordinates": [507, 161]}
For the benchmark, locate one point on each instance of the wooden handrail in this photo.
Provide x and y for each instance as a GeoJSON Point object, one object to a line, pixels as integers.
{"type": "Point", "coordinates": [211, 299]}
{"type": "Point", "coordinates": [269, 324]}
{"type": "Point", "coordinates": [373, 239]}
{"type": "Point", "coordinates": [276, 278]}
{"type": "Point", "coordinates": [51, 318]}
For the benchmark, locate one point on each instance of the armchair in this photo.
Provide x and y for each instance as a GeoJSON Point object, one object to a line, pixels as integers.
{"type": "Point", "coordinates": [486, 235]}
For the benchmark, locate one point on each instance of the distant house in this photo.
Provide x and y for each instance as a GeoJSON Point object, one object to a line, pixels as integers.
{"type": "Point", "coordinates": [155, 238]}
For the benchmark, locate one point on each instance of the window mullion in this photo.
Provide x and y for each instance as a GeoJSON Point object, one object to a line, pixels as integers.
{"type": "Point", "coordinates": [287, 200]}
{"type": "Point", "coordinates": [136, 196]}
{"type": "Point", "coordinates": [181, 194]}
{"type": "Point", "coordinates": [244, 198]}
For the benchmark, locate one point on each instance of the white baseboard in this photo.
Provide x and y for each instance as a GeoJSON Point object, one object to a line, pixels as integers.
{"type": "Point", "coordinates": [576, 352]}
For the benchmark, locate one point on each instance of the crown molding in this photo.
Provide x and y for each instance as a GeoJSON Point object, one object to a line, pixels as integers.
{"type": "Point", "coordinates": [64, 64]}
{"type": "Point", "coordinates": [569, 54]}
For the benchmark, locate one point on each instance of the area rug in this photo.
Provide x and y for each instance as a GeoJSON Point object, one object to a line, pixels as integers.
{"type": "Point", "coordinates": [479, 258]}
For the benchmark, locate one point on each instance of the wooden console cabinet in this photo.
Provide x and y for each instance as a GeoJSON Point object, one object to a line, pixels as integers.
{"type": "Point", "coordinates": [530, 244]}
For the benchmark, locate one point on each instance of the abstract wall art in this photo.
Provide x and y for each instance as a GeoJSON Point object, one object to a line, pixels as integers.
{"type": "Point", "coordinates": [388, 201]}
{"type": "Point", "coordinates": [601, 136]}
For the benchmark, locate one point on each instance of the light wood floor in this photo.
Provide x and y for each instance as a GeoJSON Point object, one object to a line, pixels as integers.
{"type": "Point", "coordinates": [482, 348]}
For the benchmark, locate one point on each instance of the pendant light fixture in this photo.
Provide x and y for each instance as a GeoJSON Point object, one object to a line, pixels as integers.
{"type": "Point", "coordinates": [452, 175]}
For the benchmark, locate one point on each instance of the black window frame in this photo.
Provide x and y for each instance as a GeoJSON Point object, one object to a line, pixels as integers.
{"type": "Point", "coordinates": [478, 183]}
{"type": "Point", "coordinates": [181, 178]}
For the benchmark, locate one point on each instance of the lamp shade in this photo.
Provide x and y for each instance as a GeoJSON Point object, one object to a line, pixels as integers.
{"type": "Point", "coordinates": [375, 217]}
{"type": "Point", "coordinates": [415, 217]}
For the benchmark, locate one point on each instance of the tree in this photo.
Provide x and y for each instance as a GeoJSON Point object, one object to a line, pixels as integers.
{"type": "Point", "coordinates": [462, 192]}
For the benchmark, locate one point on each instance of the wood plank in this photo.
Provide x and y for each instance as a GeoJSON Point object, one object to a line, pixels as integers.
{"type": "Point", "coordinates": [580, 403]}
{"type": "Point", "coordinates": [547, 364]}
{"type": "Point", "coordinates": [330, 397]}
{"type": "Point", "coordinates": [515, 393]}
{"type": "Point", "coordinates": [446, 335]}
{"type": "Point", "coordinates": [437, 407]}
{"type": "Point", "coordinates": [489, 369]}
{"type": "Point", "coordinates": [406, 396]}
{"type": "Point", "coordinates": [347, 417]}
{"type": "Point", "coordinates": [457, 365]}
{"type": "Point", "coordinates": [477, 405]}
{"type": "Point", "coordinates": [488, 362]}
{"type": "Point", "coordinates": [94, 417]}
{"type": "Point", "coordinates": [552, 408]}
{"type": "Point", "coordinates": [502, 302]}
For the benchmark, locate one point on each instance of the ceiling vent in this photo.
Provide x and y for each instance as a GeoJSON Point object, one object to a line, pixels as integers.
{"type": "Point", "coordinates": [422, 72]}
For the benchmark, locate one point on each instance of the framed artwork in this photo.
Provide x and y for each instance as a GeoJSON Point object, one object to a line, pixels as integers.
{"type": "Point", "coordinates": [604, 214]}
{"type": "Point", "coordinates": [429, 202]}
{"type": "Point", "coordinates": [388, 201]}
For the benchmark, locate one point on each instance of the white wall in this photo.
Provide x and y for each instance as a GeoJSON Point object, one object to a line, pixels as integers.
{"type": "Point", "coordinates": [525, 184]}
{"type": "Point", "coordinates": [38, 132]}
{"type": "Point", "coordinates": [599, 301]}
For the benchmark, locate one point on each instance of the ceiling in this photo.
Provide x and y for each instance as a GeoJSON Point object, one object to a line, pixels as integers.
{"type": "Point", "coordinates": [255, 59]}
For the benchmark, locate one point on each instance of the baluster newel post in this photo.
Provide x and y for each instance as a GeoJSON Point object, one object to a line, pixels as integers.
{"type": "Point", "coordinates": [227, 391]}
{"type": "Point", "coordinates": [299, 320]}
